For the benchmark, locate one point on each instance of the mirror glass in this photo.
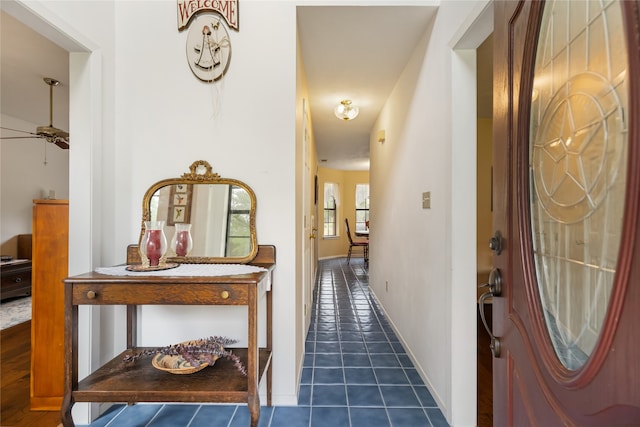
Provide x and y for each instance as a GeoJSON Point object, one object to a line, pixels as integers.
{"type": "Point", "coordinates": [220, 211]}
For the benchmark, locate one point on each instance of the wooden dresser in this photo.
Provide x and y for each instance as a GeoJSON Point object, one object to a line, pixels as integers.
{"type": "Point", "coordinates": [50, 247]}
{"type": "Point", "coordinates": [140, 382]}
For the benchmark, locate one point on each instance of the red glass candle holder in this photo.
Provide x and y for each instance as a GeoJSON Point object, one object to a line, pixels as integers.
{"type": "Point", "coordinates": [153, 247]}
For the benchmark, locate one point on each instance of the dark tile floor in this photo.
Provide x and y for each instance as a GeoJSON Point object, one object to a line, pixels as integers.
{"type": "Point", "coordinates": [356, 373]}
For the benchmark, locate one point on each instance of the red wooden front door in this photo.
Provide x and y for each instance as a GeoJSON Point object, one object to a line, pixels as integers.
{"type": "Point", "coordinates": [567, 206]}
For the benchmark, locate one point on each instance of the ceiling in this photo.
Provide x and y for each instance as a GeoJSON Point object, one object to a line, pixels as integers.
{"type": "Point", "coordinates": [356, 53]}
{"type": "Point", "coordinates": [26, 58]}
{"type": "Point", "coordinates": [349, 52]}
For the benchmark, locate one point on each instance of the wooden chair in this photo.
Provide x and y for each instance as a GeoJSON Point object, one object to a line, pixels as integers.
{"type": "Point", "coordinates": [364, 244]}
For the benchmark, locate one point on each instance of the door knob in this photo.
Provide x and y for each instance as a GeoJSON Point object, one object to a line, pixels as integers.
{"type": "Point", "coordinates": [495, 243]}
{"type": "Point", "coordinates": [495, 289]}
{"type": "Point", "coordinates": [494, 283]}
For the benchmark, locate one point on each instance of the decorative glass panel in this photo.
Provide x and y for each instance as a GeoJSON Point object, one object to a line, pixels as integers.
{"type": "Point", "coordinates": [578, 147]}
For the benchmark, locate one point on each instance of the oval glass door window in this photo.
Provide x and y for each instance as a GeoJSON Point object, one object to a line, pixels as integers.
{"type": "Point", "coordinates": [577, 169]}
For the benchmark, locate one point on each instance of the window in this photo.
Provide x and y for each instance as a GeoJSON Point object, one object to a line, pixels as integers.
{"type": "Point", "coordinates": [238, 230]}
{"type": "Point", "coordinates": [331, 198]}
{"type": "Point", "coordinates": [362, 206]}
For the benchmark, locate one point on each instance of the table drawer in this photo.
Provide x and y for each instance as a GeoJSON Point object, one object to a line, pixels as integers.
{"type": "Point", "coordinates": [16, 284]}
{"type": "Point", "coordinates": [133, 294]}
{"type": "Point", "coordinates": [23, 277]}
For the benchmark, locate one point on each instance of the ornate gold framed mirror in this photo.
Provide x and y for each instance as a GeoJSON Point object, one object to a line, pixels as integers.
{"type": "Point", "coordinates": [218, 213]}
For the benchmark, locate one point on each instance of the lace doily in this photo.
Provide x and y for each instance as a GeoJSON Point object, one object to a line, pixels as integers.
{"type": "Point", "coordinates": [186, 270]}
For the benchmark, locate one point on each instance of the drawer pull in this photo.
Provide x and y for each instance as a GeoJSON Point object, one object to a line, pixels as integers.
{"type": "Point", "coordinates": [18, 279]}
{"type": "Point", "coordinates": [225, 294]}
{"type": "Point", "coordinates": [91, 295]}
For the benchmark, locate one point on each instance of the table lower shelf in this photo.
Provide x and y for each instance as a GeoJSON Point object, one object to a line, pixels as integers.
{"type": "Point", "coordinates": [141, 382]}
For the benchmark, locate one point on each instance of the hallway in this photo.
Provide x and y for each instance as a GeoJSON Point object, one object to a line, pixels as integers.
{"type": "Point", "coordinates": [356, 373]}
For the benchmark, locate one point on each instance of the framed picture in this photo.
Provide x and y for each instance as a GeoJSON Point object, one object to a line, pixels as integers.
{"type": "Point", "coordinates": [179, 204]}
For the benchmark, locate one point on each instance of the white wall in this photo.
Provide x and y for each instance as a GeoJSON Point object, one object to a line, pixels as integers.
{"type": "Point", "coordinates": [417, 253]}
{"type": "Point", "coordinates": [26, 177]}
{"type": "Point", "coordinates": [244, 126]}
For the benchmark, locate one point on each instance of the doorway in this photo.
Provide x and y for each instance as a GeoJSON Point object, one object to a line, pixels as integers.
{"type": "Point", "coordinates": [472, 103]}
{"type": "Point", "coordinates": [484, 220]}
{"type": "Point", "coordinates": [28, 102]}
{"type": "Point", "coordinates": [83, 59]}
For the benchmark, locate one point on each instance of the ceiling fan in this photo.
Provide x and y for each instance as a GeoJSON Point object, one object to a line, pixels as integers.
{"type": "Point", "coordinates": [49, 133]}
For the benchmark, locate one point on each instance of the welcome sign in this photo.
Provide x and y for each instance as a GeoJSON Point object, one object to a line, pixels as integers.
{"type": "Point", "coordinates": [228, 9]}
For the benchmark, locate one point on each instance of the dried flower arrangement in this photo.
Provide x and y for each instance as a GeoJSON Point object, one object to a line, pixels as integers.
{"type": "Point", "coordinates": [196, 353]}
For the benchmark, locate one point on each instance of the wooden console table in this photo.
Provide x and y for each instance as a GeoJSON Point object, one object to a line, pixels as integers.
{"type": "Point", "coordinates": [140, 382]}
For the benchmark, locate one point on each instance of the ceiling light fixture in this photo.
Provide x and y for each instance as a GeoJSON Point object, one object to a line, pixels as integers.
{"type": "Point", "coordinates": [345, 111]}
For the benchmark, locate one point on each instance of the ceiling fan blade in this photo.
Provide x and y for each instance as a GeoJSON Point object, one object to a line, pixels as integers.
{"type": "Point", "coordinates": [20, 131]}
{"type": "Point", "coordinates": [21, 137]}
{"type": "Point", "coordinates": [62, 143]}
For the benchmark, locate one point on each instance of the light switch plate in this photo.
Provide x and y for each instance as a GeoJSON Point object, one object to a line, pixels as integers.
{"type": "Point", "coordinates": [426, 200]}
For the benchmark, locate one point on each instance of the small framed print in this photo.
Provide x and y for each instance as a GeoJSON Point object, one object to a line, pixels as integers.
{"type": "Point", "coordinates": [179, 199]}
{"type": "Point", "coordinates": [179, 214]}
{"type": "Point", "coordinates": [179, 204]}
